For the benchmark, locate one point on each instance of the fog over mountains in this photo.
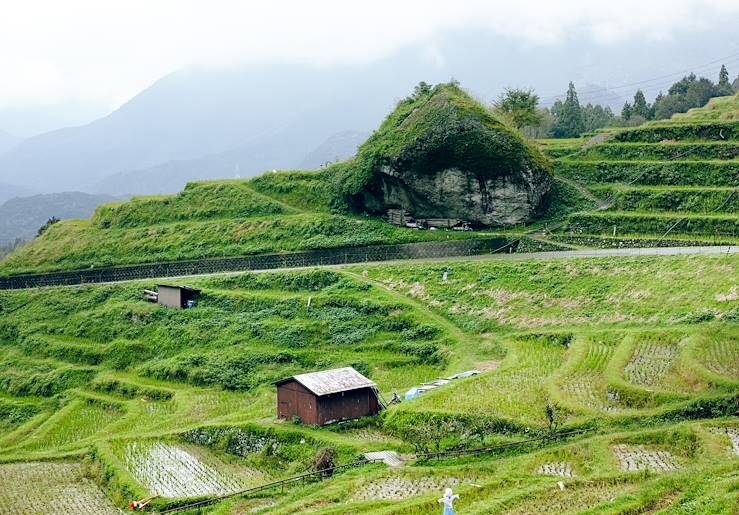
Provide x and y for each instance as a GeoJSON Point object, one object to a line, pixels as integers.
{"type": "Point", "coordinates": [242, 121]}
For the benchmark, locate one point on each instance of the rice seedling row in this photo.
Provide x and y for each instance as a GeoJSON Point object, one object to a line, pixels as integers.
{"type": "Point", "coordinates": [586, 385]}
{"type": "Point", "coordinates": [650, 363]}
{"type": "Point", "coordinates": [82, 420]}
{"type": "Point", "coordinates": [721, 355]}
{"type": "Point", "coordinates": [398, 487]}
{"type": "Point", "coordinates": [173, 470]}
{"type": "Point", "coordinates": [560, 469]}
{"type": "Point", "coordinates": [50, 488]}
{"type": "Point", "coordinates": [639, 457]}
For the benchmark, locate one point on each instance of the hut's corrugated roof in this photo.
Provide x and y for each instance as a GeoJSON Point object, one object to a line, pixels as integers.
{"type": "Point", "coordinates": [332, 381]}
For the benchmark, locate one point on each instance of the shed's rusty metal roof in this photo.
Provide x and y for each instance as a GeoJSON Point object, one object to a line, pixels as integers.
{"type": "Point", "coordinates": [332, 381]}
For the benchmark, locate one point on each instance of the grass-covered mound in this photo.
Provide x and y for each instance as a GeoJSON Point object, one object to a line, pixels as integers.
{"type": "Point", "coordinates": [405, 163]}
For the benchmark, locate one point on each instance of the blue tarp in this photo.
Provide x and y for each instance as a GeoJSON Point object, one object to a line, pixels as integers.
{"type": "Point", "coordinates": [412, 394]}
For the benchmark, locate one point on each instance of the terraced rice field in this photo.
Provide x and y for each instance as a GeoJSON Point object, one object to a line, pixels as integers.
{"type": "Point", "coordinates": [50, 488]}
{"type": "Point", "coordinates": [666, 178]}
{"type": "Point", "coordinates": [651, 362]}
{"type": "Point", "coordinates": [178, 470]}
{"type": "Point", "coordinates": [514, 390]}
{"type": "Point", "coordinates": [80, 420]}
{"type": "Point", "coordinates": [570, 500]}
{"type": "Point", "coordinates": [398, 487]}
{"type": "Point", "coordinates": [585, 383]}
{"type": "Point", "coordinates": [639, 457]}
{"type": "Point", "coordinates": [721, 355]}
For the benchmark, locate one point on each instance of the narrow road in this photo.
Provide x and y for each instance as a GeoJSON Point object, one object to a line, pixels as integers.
{"type": "Point", "coordinates": [523, 256]}
{"type": "Point", "coordinates": [560, 254]}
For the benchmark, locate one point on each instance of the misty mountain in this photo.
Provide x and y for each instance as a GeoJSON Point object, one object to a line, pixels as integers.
{"type": "Point", "coordinates": [240, 121]}
{"type": "Point", "coordinates": [8, 191]}
{"type": "Point", "coordinates": [22, 217]}
{"type": "Point", "coordinates": [594, 94]}
{"type": "Point", "coordinates": [7, 141]}
{"type": "Point", "coordinates": [339, 147]}
{"type": "Point", "coordinates": [242, 162]}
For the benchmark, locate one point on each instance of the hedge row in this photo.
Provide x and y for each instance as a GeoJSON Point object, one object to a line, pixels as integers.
{"type": "Point", "coordinates": [646, 151]}
{"type": "Point", "coordinates": [652, 173]}
{"type": "Point", "coordinates": [681, 199]}
{"type": "Point", "coordinates": [656, 223]}
{"type": "Point", "coordinates": [719, 131]}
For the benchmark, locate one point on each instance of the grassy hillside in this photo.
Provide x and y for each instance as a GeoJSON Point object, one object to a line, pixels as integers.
{"type": "Point", "coordinates": [273, 213]}
{"type": "Point", "coordinates": [133, 398]}
{"type": "Point", "coordinates": [672, 179]}
{"type": "Point", "coordinates": [291, 211]}
{"type": "Point", "coordinates": [666, 182]}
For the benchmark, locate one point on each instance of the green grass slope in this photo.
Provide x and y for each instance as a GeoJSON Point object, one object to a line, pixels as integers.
{"type": "Point", "coordinates": [641, 351]}
{"type": "Point", "coordinates": [667, 181]}
{"type": "Point", "coordinates": [289, 211]}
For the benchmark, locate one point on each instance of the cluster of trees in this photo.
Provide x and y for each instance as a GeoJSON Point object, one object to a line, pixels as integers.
{"type": "Point", "coordinates": [570, 119]}
{"type": "Point", "coordinates": [687, 93]}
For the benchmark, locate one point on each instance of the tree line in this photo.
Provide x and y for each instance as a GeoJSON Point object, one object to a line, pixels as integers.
{"type": "Point", "coordinates": [570, 119]}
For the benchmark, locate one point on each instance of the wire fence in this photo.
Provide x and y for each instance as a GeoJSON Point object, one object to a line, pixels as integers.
{"type": "Point", "coordinates": [319, 474]}
{"type": "Point", "coordinates": [456, 453]}
{"type": "Point", "coordinates": [336, 256]}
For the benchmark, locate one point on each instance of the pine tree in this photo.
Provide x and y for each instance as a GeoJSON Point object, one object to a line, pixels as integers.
{"type": "Point", "coordinates": [640, 107]}
{"type": "Point", "coordinates": [723, 76]}
{"type": "Point", "coordinates": [724, 87]}
{"type": "Point", "coordinates": [626, 111]}
{"type": "Point", "coordinates": [570, 122]}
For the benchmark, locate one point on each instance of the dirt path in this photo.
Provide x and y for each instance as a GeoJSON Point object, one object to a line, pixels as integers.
{"type": "Point", "coordinates": [602, 204]}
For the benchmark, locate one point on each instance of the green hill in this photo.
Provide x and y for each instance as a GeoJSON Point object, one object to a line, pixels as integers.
{"type": "Point", "coordinates": [292, 211]}
{"type": "Point", "coordinates": [150, 400]}
{"type": "Point", "coordinates": [106, 398]}
{"type": "Point", "coordinates": [667, 181]}
{"type": "Point", "coordinates": [442, 154]}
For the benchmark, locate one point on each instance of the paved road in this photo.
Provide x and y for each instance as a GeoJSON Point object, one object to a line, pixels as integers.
{"type": "Point", "coordinates": [560, 254]}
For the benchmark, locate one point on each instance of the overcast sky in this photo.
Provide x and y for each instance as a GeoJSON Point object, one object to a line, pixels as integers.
{"type": "Point", "coordinates": [103, 52]}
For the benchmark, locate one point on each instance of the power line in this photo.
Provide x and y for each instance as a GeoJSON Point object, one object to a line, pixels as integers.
{"type": "Point", "coordinates": [727, 59]}
{"type": "Point", "coordinates": [731, 59]}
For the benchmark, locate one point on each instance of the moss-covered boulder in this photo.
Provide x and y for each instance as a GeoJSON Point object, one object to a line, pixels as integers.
{"type": "Point", "coordinates": [441, 154]}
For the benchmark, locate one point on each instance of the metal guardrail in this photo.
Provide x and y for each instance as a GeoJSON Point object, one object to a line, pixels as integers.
{"type": "Point", "coordinates": [276, 484]}
{"type": "Point", "coordinates": [335, 256]}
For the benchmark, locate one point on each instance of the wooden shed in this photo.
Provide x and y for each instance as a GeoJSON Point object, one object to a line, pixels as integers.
{"type": "Point", "coordinates": [175, 296]}
{"type": "Point", "coordinates": [329, 396]}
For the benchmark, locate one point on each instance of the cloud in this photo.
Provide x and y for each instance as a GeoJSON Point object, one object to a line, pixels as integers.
{"type": "Point", "coordinates": [105, 52]}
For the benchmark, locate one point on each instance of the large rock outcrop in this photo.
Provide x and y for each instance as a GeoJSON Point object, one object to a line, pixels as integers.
{"type": "Point", "coordinates": [441, 154]}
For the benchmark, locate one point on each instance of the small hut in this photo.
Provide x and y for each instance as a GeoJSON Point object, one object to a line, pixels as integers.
{"type": "Point", "coordinates": [320, 398]}
{"type": "Point", "coordinates": [177, 297]}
